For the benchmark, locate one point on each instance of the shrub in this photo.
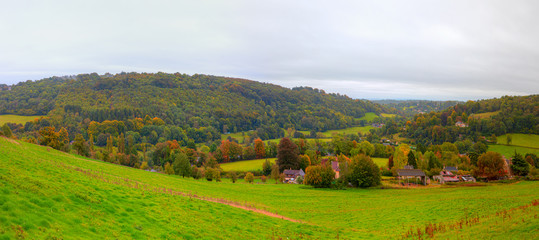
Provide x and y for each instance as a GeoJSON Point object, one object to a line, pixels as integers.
{"type": "Point", "coordinates": [299, 180]}
{"type": "Point", "coordinates": [209, 174]}
{"type": "Point", "coordinates": [196, 172]}
{"type": "Point", "coordinates": [263, 179]}
{"type": "Point", "coordinates": [233, 176]}
{"type": "Point", "coordinates": [249, 177]}
{"type": "Point", "coordinates": [319, 176]}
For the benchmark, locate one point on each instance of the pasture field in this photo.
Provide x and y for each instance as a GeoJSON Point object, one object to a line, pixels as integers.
{"type": "Point", "coordinates": [509, 151]}
{"type": "Point", "coordinates": [16, 119]}
{"type": "Point", "coordinates": [388, 115]}
{"type": "Point", "coordinates": [521, 140]}
{"type": "Point", "coordinates": [484, 115]}
{"type": "Point", "coordinates": [45, 193]}
{"type": "Point", "coordinates": [246, 165]}
{"type": "Point", "coordinates": [381, 162]}
{"type": "Point", "coordinates": [350, 130]}
{"type": "Point", "coordinates": [368, 116]}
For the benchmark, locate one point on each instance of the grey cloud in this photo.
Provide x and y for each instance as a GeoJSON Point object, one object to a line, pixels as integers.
{"type": "Point", "coordinates": [365, 49]}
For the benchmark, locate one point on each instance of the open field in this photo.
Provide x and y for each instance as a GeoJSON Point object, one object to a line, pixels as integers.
{"type": "Point", "coordinates": [388, 115]}
{"type": "Point", "coordinates": [368, 116]}
{"type": "Point", "coordinates": [16, 119]}
{"type": "Point", "coordinates": [522, 140]}
{"type": "Point", "coordinates": [484, 115]}
{"type": "Point", "coordinates": [45, 193]}
{"type": "Point", "coordinates": [247, 165]}
{"type": "Point", "coordinates": [381, 162]}
{"type": "Point", "coordinates": [508, 151]}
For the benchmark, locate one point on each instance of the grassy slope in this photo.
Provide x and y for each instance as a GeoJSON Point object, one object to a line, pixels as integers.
{"type": "Point", "coordinates": [369, 116]}
{"type": "Point", "coordinates": [381, 162]}
{"type": "Point", "coordinates": [521, 143]}
{"type": "Point", "coordinates": [37, 193]}
{"type": "Point", "coordinates": [43, 195]}
{"type": "Point", "coordinates": [522, 140]}
{"type": "Point", "coordinates": [509, 151]}
{"type": "Point", "coordinates": [16, 119]}
{"type": "Point", "coordinates": [484, 115]}
{"type": "Point", "coordinates": [388, 115]}
{"type": "Point", "coordinates": [247, 165]}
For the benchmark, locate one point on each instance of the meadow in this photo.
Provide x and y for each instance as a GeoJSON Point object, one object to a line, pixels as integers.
{"type": "Point", "coordinates": [381, 162]}
{"type": "Point", "coordinates": [246, 165]}
{"type": "Point", "coordinates": [521, 140]}
{"type": "Point", "coordinates": [16, 119]}
{"type": "Point", "coordinates": [327, 134]}
{"type": "Point", "coordinates": [45, 193]}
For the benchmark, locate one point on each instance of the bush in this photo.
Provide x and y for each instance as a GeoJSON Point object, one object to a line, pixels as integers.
{"type": "Point", "coordinates": [319, 176]}
{"type": "Point", "coordinates": [299, 180]}
{"type": "Point", "coordinates": [249, 177]}
{"type": "Point", "coordinates": [196, 172]}
{"type": "Point", "coordinates": [386, 172]}
{"type": "Point", "coordinates": [363, 172]}
{"type": "Point", "coordinates": [233, 176]}
{"type": "Point", "coordinates": [263, 179]}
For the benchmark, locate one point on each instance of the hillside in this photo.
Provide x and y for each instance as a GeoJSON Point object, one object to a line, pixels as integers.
{"type": "Point", "coordinates": [413, 107]}
{"type": "Point", "coordinates": [498, 116]}
{"type": "Point", "coordinates": [220, 103]}
{"type": "Point", "coordinates": [45, 193]}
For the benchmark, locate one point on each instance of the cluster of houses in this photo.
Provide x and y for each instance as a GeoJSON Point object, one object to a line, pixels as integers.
{"type": "Point", "coordinates": [447, 175]}
{"type": "Point", "coordinates": [406, 176]}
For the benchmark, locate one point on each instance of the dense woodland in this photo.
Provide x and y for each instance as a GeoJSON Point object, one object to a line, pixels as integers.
{"type": "Point", "coordinates": [198, 101]}
{"type": "Point", "coordinates": [173, 123]}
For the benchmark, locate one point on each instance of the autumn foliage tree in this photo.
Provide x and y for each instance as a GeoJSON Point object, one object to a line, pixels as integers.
{"type": "Point", "coordinates": [319, 176]}
{"type": "Point", "coordinates": [287, 155]}
{"type": "Point", "coordinates": [490, 165]}
{"type": "Point", "coordinates": [259, 148]}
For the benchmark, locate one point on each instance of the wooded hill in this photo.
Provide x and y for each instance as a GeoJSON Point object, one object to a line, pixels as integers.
{"type": "Point", "coordinates": [498, 116]}
{"type": "Point", "coordinates": [217, 104]}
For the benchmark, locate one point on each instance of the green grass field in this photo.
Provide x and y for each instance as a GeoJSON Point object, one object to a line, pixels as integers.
{"type": "Point", "coordinates": [245, 166]}
{"type": "Point", "coordinates": [388, 115]}
{"type": "Point", "coordinates": [16, 119]}
{"type": "Point", "coordinates": [368, 116]}
{"type": "Point", "coordinates": [484, 115]}
{"type": "Point", "coordinates": [381, 162]}
{"type": "Point", "coordinates": [47, 194]}
{"type": "Point", "coordinates": [509, 151]}
{"type": "Point", "coordinates": [521, 140]}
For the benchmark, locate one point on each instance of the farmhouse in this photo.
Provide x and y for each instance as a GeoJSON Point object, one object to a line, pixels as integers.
{"type": "Point", "coordinates": [406, 174]}
{"type": "Point", "coordinates": [291, 175]}
{"type": "Point", "coordinates": [461, 124]}
{"type": "Point", "coordinates": [446, 176]}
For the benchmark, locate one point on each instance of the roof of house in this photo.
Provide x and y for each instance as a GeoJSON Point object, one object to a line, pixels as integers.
{"type": "Point", "coordinates": [450, 168]}
{"type": "Point", "coordinates": [335, 166]}
{"type": "Point", "coordinates": [294, 172]}
{"type": "Point", "coordinates": [411, 172]}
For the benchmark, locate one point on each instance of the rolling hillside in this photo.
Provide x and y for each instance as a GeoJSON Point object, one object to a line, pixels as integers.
{"type": "Point", "coordinates": [225, 104]}
{"type": "Point", "coordinates": [45, 193]}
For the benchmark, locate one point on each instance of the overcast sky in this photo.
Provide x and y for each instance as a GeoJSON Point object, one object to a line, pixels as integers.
{"type": "Point", "coordinates": [440, 50]}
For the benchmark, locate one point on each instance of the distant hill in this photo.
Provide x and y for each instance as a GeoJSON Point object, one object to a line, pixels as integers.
{"type": "Point", "coordinates": [412, 107]}
{"type": "Point", "coordinates": [219, 104]}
